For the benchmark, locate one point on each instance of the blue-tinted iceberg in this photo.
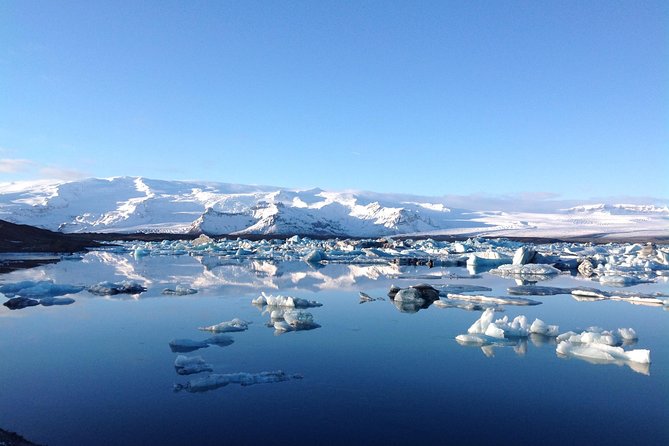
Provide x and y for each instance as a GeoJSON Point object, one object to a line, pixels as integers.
{"type": "Point", "coordinates": [215, 380]}
{"type": "Point", "coordinates": [227, 326]}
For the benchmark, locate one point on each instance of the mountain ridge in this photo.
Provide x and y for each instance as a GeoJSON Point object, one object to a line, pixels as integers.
{"type": "Point", "coordinates": [137, 204]}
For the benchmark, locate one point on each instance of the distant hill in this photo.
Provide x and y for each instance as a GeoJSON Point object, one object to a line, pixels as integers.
{"type": "Point", "coordinates": [24, 238]}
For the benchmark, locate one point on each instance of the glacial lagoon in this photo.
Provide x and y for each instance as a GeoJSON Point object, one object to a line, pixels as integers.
{"type": "Point", "coordinates": [101, 370]}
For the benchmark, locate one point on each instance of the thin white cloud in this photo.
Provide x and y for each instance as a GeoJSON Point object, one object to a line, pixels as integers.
{"type": "Point", "coordinates": [15, 165]}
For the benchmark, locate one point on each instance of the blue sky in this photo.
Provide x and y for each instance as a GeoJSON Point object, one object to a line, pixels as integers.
{"type": "Point", "coordinates": [562, 99]}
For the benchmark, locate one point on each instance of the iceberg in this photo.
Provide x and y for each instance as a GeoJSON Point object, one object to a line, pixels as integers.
{"type": "Point", "coordinates": [188, 365]}
{"type": "Point", "coordinates": [227, 326]}
{"type": "Point", "coordinates": [502, 328]}
{"type": "Point", "coordinates": [49, 301]}
{"type": "Point", "coordinates": [602, 353]}
{"type": "Point", "coordinates": [295, 320]}
{"type": "Point", "coordinates": [284, 301]}
{"type": "Point", "coordinates": [110, 289]}
{"type": "Point", "coordinates": [38, 289]}
{"type": "Point", "coordinates": [532, 270]}
{"type": "Point", "coordinates": [535, 290]}
{"type": "Point", "coordinates": [502, 300]}
{"type": "Point", "coordinates": [364, 297]}
{"type": "Point", "coordinates": [469, 306]}
{"type": "Point", "coordinates": [189, 345]}
{"type": "Point", "coordinates": [215, 381]}
{"type": "Point", "coordinates": [179, 290]}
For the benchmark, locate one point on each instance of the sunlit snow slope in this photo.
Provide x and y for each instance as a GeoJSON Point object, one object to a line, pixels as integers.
{"type": "Point", "coordinates": [133, 204]}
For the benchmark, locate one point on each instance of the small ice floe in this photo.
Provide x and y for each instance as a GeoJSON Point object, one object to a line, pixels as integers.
{"type": "Point", "coordinates": [534, 290]}
{"type": "Point", "coordinates": [315, 256]}
{"type": "Point", "coordinates": [502, 328]}
{"type": "Point", "coordinates": [188, 365]}
{"type": "Point", "coordinates": [179, 290]}
{"type": "Point", "coordinates": [467, 305]}
{"type": "Point", "coordinates": [597, 353]}
{"type": "Point", "coordinates": [18, 303]}
{"type": "Point", "coordinates": [501, 300]}
{"type": "Point", "coordinates": [620, 280]}
{"type": "Point", "coordinates": [227, 326]}
{"type": "Point", "coordinates": [487, 259]}
{"type": "Point", "coordinates": [462, 288]}
{"type": "Point", "coordinates": [294, 320]}
{"type": "Point", "coordinates": [284, 301]}
{"type": "Point", "coordinates": [655, 299]}
{"type": "Point", "coordinates": [38, 289]}
{"type": "Point", "coordinates": [364, 297]}
{"type": "Point", "coordinates": [597, 335]}
{"type": "Point", "coordinates": [532, 271]}
{"type": "Point", "coordinates": [49, 301]}
{"type": "Point", "coordinates": [110, 288]}
{"type": "Point", "coordinates": [189, 345]}
{"type": "Point", "coordinates": [215, 380]}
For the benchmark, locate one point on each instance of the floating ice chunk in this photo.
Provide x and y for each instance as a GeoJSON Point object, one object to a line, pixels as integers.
{"type": "Point", "coordinates": [220, 340]}
{"type": "Point", "coordinates": [189, 345]}
{"type": "Point", "coordinates": [469, 306]}
{"type": "Point", "coordinates": [540, 327]}
{"type": "Point", "coordinates": [179, 290]}
{"type": "Point", "coordinates": [18, 303]}
{"type": "Point", "coordinates": [463, 288]}
{"type": "Point", "coordinates": [619, 280]}
{"type": "Point", "coordinates": [488, 259]}
{"type": "Point", "coordinates": [227, 326]}
{"type": "Point", "coordinates": [109, 288]}
{"type": "Point", "coordinates": [364, 297]}
{"type": "Point", "coordinates": [494, 331]}
{"type": "Point", "coordinates": [627, 334]}
{"type": "Point", "coordinates": [285, 301]}
{"type": "Point", "coordinates": [315, 256]}
{"type": "Point", "coordinates": [298, 320]}
{"type": "Point", "coordinates": [534, 290]}
{"type": "Point", "coordinates": [534, 269]}
{"type": "Point", "coordinates": [188, 365]}
{"type": "Point", "coordinates": [523, 255]}
{"type": "Point", "coordinates": [38, 289]}
{"type": "Point", "coordinates": [49, 301]}
{"type": "Point", "coordinates": [602, 352]}
{"type": "Point", "coordinates": [502, 328]}
{"type": "Point", "coordinates": [481, 325]}
{"type": "Point", "coordinates": [631, 297]}
{"type": "Point", "coordinates": [186, 345]}
{"type": "Point", "coordinates": [215, 381]}
{"type": "Point", "coordinates": [482, 339]}
{"type": "Point", "coordinates": [502, 300]}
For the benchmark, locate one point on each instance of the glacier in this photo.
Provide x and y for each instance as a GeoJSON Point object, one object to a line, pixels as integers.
{"type": "Point", "coordinates": [137, 204]}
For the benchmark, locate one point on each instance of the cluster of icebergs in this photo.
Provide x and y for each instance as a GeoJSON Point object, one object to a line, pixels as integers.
{"type": "Point", "coordinates": [611, 264]}
{"type": "Point", "coordinates": [29, 293]}
{"type": "Point", "coordinates": [594, 344]}
{"type": "Point", "coordinates": [190, 365]}
{"type": "Point", "coordinates": [285, 312]}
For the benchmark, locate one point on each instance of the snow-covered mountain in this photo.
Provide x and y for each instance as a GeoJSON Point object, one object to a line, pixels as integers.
{"type": "Point", "coordinates": [135, 204]}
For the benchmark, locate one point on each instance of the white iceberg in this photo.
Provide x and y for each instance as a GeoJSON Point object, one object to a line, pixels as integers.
{"type": "Point", "coordinates": [502, 300]}
{"type": "Point", "coordinates": [227, 326]}
{"type": "Point", "coordinates": [533, 269]}
{"type": "Point", "coordinates": [284, 301]}
{"type": "Point", "coordinates": [296, 320]}
{"type": "Point", "coordinates": [502, 328]}
{"type": "Point", "coordinates": [602, 352]}
{"type": "Point", "coordinates": [38, 289]}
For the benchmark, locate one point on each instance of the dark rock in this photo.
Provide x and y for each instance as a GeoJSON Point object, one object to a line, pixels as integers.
{"type": "Point", "coordinates": [17, 303]}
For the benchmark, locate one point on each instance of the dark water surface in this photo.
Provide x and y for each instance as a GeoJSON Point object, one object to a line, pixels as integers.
{"type": "Point", "coordinates": [100, 371]}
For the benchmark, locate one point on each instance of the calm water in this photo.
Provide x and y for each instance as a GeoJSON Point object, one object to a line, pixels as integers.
{"type": "Point", "coordinates": [100, 371]}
